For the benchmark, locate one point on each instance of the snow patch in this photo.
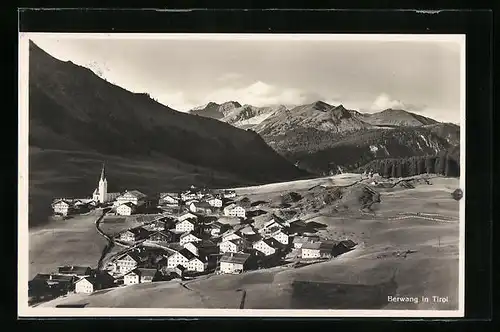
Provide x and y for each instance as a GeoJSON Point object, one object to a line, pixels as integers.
{"type": "Point", "coordinates": [373, 148]}
{"type": "Point", "coordinates": [425, 140]}
{"type": "Point", "coordinates": [385, 150]}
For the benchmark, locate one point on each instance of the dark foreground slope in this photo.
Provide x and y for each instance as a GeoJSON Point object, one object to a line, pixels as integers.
{"type": "Point", "coordinates": [78, 120]}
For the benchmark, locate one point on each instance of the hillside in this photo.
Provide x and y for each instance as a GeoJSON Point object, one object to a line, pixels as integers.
{"type": "Point", "coordinates": [248, 116]}
{"type": "Point", "coordinates": [78, 120]}
{"type": "Point", "coordinates": [215, 111]}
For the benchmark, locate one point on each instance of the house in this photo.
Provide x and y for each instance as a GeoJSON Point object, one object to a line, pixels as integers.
{"type": "Point", "coordinates": [234, 245]}
{"type": "Point", "coordinates": [299, 241]}
{"type": "Point", "coordinates": [274, 225]}
{"type": "Point", "coordinates": [49, 283]}
{"type": "Point", "coordinates": [62, 207]}
{"type": "Point", "coordinates": [175, 235]}
{"type": "Point", "coordinates": [206, 247]}
{"type": "Point", "coordinates": [134, 234]}
{"type": "Point", "coordinates": [231, 235]}
{"type": "Point", "coordinates": [320, 249]}
{"type": "Point", "coordinates": [233, 263]}
{"type": "Point", "coordinates": [187, 216]}
{"type": "Point", "coordinates": [188, 237]}
{"type": "Point", "coordinates": [169, 199]}
{"type": "Point", "coordinates": [71, 270]}
{"type": "Point", "coordinates": [281, 236]}
{"type": "Point", "coordinates": [133, 196]}
{"type": "Point", "coordinates": [215, 202]}
{"type": "Point", "coordinates": [90, 284]}
{"type": "Point", "coordinates": [247, 230]}
{"type": "Point", "coordinates": [343, 247]}
{"type": "Point", "coordinates": [160, 236]}
{"type": "Point", "coordinates": [229, 194]}
{"type": "Point", "coordinates": [173, 271]}
{"type": "Point", "coordinates": [141, 275]}
{"type": "Point", "coordinates": [126, 209]}
{"type": "Point", "coordinates": [234, 210]}
{"type": "Point", "coordinates": [128, 262]}
{"type": "Point", "coordinates": [267, 246]}
{"type": "Point", "coordinates": [197, 264]}
{"type": "Point", "coordinates": [182, 257]}
{"type": "Point", "coordinates": [186, 225]}
{"type": "Point", "coordinates": [200, 207]}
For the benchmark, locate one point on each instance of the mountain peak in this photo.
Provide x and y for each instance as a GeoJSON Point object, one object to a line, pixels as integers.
{"type": "Point", "coordinates": [321, 105]}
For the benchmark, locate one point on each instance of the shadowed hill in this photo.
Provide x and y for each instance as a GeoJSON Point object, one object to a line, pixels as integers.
{"type": "Point", "coordinates": [72, 109]}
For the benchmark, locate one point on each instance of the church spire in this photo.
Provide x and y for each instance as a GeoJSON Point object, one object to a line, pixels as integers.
{"type": "Point", "coordinates": [103, 176]}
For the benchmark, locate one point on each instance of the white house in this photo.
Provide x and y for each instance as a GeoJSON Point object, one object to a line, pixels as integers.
{"type": "Point", "coordinates": [231, 246]}
{"type": "Point", "coordinates": [215, 202]}
{"type": "Point", "coordinates": [188, 237]}
{"type": "Point", "coordinates": [233, 263]}
{"type": "Point", "coordinates": [62, 207]}
{"type": "Point", "coordinates": [182, 257]}
{"type": "Point", "coordinates": [299, 241]}
{"type": "Point", "coordinates": [281, 237]}
{"type": "Point", "coordinates": [140, 275]}
{"type": "Point", "coordinates": [205, 246]}
{"type": "Point", "coordinates": [185, 226]}
{"type": "Point", "coordinates": [126, 209]}
{"type": "Point", "coordinates": [133, 196]}
{"type": "Point", "coordinates": [234, 210]}
{"type": "Point", "coordinates": [265, 247]}
{"type": "Point", "coordinates": [197, 264]}
{"type": "Point", "coordinates": [134, 234]}
{"type": "Point", "coordinates": [168, 198]}
{"type": "Point", "coordinates": [321, 249]}
{"type": "Point", "coordinates": [84, 285]}
{"type": "Point", "coordinates": [231, 235]}
{"type": "Point", "coordinates": [127, 262]}
{"type": "Point", "coordinates": [229, 194]}
{"type": "Point", "coordinates": [215, 228]}
{"type": "Point", "coordinates": [200, 207]}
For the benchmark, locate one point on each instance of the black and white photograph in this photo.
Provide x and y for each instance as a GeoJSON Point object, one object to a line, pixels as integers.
{"type": "Point", "coordinates": [293, 175]}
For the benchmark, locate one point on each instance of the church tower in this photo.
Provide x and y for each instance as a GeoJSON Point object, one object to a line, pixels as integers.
{"type": "Point", "coordinates": [103, 187]}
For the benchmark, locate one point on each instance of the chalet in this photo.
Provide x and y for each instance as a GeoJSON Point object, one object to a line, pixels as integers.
{"type": "Point", "coordinates": [267, 246]}
{"type": "Point", "coordinates": [160, 236]}
{"type": "Point", "coordinates": [133, 196]}
{"type": "Point", "coordinates": [128, 262]}
{"type": "Point", "coordinates": [175, 234]}
{"type": "Point", "coordinates": [169, 199]}
{"type": "Point", "coordinates": [281, 236]}
{"type": "Point", "coordinates": [299, 241]}
{"type": "Point", "coordinates": [134, 234]}
{"type": "Point", "coordinates": [188, 237]}
{"type": "Point", "coordinates": [215, 202]}
{"type": "Point", "coordinates": [229, 194]}
{"type": "Point", "coordinates": [187, 225]}
{"type": "Point", "coordinates": [191, 201]}
{"type": "Point", "coordinates": [181, 257]}
{"type": "Point", "coordinates": [173, 271]}
{"type": "Point", "coordinates": [343, 247]}
{"type": "Point", "coordinates": [274, 225]}
{"type": "Point", "coordinates": [62, 207]}
{"type": "Point", "coordinates": [197, 264]}
{"type": "Point", "coordinates": [247, 230]}
{"type": "Point", "coordinates": [234, 210]}
{"type": "Point", "coordinates": [320, 249]}
{"type": "Point", "coordinates": [126, 209]}
{"type": "Point", "coordinates": [90, 284]}
{"type": "Point", "coordinates": [71, 270]}
{"type": "Point", "coordinates": [205, 247]}
{"type": "Point", "coordinates": [235, 245]}
{"type": "Point", "coordinates": [141, 275]}
{"type": "Point", "coordinates": [231, 235]}
{"type": "Point", "coordinates": [200, 207]}
{"type": "Point", "coordinates": [233, 263]}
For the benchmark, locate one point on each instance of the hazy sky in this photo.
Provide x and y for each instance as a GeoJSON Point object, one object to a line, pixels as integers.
{"type": "Point", "coordinates": [423, 77]}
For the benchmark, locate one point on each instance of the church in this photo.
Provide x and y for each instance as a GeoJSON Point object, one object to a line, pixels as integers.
{"type": "Point", "coordinates": [101, 194]}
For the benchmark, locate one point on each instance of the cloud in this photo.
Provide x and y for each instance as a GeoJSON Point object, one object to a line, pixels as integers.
{"type": "Point", "coordinates": [176, 100]}
{"type": "Point", "coordinates": [229, 77]}
{"type": "Point", "coordinates": [384, 101]}
{"type": "Point", "coordinates": [262, 94]}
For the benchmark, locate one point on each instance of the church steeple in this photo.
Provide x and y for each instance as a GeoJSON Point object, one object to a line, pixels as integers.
{"type": "Point", "coordinates": [103, 175]}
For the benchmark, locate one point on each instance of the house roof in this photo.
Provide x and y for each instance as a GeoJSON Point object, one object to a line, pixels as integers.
{"type": "Point", "coordinates": [204, 205]}
{"type": "Point", "coordinates": [320, 245]}
{"type": "Point", "coordinates": [203, 244]}
{"type": "Point", "coordinates": [61, 201]}
{"type": "Point", "coordinates": [129, 204]}
{"type": "Point", "coordinates": [216, 224]}
{"type": "Point", "coordinates": [302, 239]}
{"type": "Point", "coordinates": [236, 258]}
{"type": "Point", "coordinates": [136, 193]}
{"type": "Point", "coordinates": [160, 233]}
{"type": "Point", "coordinates": [143, 272]}
{"type": "Point", "coordinates": [138, 231]}
{"type": "Point", "coordinates": [42, 276]}
{"type": "Point", "coordinates": [186, 216]}
{"type": "Point", "coordinates": [186, 253]}
{"type": "Point", "coordinates": [272, 243]}
{"type": "Point", "coordinates": [188, 233]}
{"type": "Point", "coordinates": [71, 269]}
{"type": "Point", "coordinates": [348, 243]}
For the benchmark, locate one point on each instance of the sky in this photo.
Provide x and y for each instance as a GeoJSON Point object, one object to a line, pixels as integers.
{"type": "Point", "coordinates": [365, 75]}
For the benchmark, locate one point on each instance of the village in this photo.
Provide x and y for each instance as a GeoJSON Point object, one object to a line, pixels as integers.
{"type": "Point", "coordinates": [182, 235]}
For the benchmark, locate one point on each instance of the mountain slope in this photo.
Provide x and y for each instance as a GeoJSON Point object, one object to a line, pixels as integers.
{"type": "Point", "coordinates": [215, 111]}
{"type": "Point", "coordinates": [247, 116]}
{"type": "Point", "coordinates": [72, 109]}
{"type": "Point", "coordinates": [392, 117]}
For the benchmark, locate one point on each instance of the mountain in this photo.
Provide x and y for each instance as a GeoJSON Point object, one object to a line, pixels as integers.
{"type": "Point", "coordinates": [248, 116]}
{"type": "Point", "coordinates": [214, 110]}
{"type": "Point", "coordinates": [77, 120]}
{"type": "Point", "coordinates": [396, 117]}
